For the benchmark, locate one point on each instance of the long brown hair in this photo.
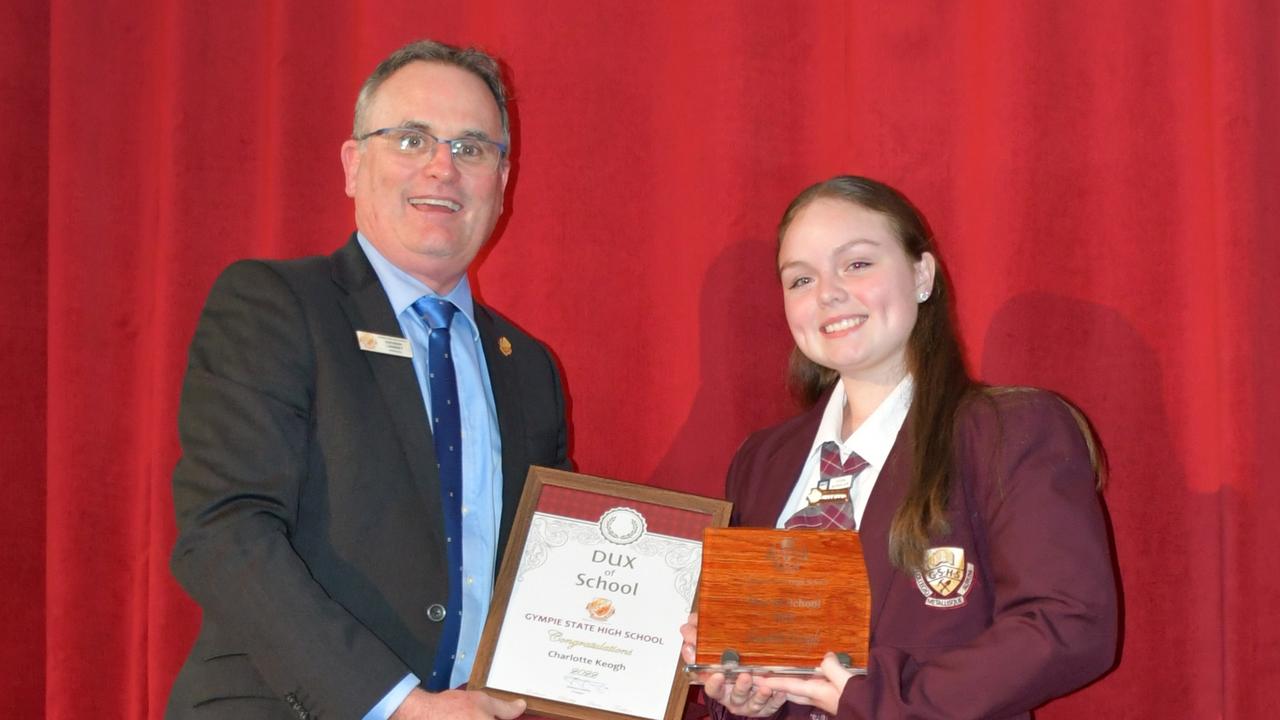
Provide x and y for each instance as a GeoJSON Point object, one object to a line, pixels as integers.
{"type": "Point", "coordinates": [933, 357]}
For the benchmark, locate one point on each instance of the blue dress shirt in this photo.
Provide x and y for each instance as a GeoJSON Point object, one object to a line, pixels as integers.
{"type": "Point", "coordinates": [481, 455]}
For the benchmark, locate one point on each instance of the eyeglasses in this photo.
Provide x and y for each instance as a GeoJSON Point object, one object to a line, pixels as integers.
{"type": "Point", "coordinates": [471, 155]}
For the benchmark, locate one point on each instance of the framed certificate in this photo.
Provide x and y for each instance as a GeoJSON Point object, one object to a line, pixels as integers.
{"type": "Point", "coordinates": [597, 579]}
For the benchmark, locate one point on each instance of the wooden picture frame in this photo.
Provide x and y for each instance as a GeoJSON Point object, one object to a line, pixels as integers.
{"type": "Point", "coordinates": [615, 656]}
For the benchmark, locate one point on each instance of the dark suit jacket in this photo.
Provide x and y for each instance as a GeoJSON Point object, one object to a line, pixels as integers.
{"type": "Point", "coordinates": [1039, 619]}
{"type": "Point", "coordinates": [307, 495]}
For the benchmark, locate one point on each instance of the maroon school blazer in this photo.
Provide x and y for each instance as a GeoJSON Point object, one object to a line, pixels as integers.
{"type": "Point", "coordinates": [1019, 605]}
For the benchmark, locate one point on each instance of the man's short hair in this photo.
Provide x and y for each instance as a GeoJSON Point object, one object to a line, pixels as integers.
{"type": "Point", "coordinates": [473, 60]}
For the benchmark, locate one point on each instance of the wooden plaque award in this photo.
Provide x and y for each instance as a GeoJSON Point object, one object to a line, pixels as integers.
{"type": "Point", "coordinates": [776, 601]}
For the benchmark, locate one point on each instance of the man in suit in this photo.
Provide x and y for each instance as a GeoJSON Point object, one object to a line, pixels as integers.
{"type": "Point", "coordinates": [356, 430]}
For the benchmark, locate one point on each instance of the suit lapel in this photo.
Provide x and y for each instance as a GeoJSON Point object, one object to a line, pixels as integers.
{"type": "Point", "coordinates": [366, 306]}
{"type": "Point", "coordinates": [511, 427]}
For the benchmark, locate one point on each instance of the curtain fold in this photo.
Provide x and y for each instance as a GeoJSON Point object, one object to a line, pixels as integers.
{"type": "Point", "coordinates": [24, 187]}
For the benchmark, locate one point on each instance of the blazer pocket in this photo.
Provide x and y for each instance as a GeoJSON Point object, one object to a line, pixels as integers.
{"type": "Point", "coordinates": [230, 675]}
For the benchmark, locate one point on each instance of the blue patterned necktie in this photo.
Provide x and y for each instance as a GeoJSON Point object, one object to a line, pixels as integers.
{"type": "Point", "coordinates": [831, 502]}
{"type": "Point", "coordinates": [446, 434]}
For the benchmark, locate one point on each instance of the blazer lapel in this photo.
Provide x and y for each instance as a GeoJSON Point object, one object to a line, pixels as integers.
{"type": "Point", "coordinates": [511, 426]}
{"type": "Point", "coordinates": [784, 467]}
{"type": "Point", "coordinates": [886, 497]}
{"type": "Point", "coordinates": [366, 307]}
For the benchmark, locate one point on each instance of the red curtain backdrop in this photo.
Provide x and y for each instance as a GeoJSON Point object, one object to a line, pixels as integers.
{"type": "Point", "coordinates": [1103, 177]}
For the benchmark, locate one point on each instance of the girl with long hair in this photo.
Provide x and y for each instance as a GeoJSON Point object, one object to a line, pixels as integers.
{"type": "Point", "coordinates": [987, 553]}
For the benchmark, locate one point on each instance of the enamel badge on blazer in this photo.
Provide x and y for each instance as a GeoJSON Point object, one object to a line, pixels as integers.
{"type": "Point", "coordinates": [947, 577]}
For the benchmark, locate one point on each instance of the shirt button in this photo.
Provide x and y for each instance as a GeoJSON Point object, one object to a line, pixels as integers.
{"type": "Point", "coordinates": [435, 612]}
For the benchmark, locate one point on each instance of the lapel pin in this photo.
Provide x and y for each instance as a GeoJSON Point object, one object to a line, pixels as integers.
{"type": "Point", "coordinates": [504, 345]}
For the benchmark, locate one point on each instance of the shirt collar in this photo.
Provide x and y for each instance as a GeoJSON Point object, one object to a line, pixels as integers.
{"type": "Point", "coordinates": [874, 438]}
{"type": "Point", "coordinates": [404, 289]}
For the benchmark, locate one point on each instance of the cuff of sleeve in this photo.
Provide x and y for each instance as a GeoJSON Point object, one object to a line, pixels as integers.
{"type": "Point", "coordinates": [391, 701]}
{"type": "Point", "coordinates": [854, 701]}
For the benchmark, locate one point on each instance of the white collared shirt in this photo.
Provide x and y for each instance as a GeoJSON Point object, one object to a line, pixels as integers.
{"type": "Point", "coordinates": [872, 441]}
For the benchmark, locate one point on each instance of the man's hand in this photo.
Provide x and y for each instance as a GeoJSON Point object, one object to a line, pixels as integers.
{"type": "Point", "coordinates": [823, 691]}
{"type": "Point", "coordinates": [462, 704]}
{"type": "Point", "coordinates": [689, 634]}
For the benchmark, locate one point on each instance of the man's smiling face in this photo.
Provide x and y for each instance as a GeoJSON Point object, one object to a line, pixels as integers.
{"type": "Point", "coordinates": [429, 219]}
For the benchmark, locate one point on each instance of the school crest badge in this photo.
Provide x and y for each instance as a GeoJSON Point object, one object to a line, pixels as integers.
{"type": "Point", "coordinates": [947, 578]}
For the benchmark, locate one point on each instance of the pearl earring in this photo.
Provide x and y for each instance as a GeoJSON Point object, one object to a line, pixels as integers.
{"type": "Point", "coordinates": [924, 295]}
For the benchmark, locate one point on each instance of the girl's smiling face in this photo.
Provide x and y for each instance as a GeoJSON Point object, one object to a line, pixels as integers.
{"type": "Point", "coordinates": [850, 290]}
